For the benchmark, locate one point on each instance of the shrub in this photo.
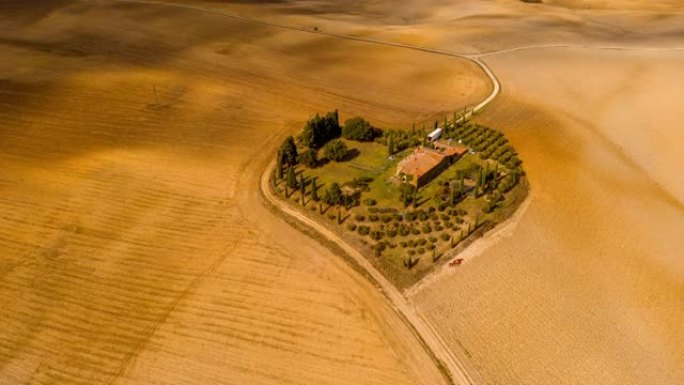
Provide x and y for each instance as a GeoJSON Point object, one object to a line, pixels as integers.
{"type": "Point", "coordinates": [391, 233]}
{"type": "Point", "coordinates": [445, 236]}
{"type": "Point", "coordinates": [373, 217]}
{"type": "Point", "coordinates": [332, 216]}
{"type": "Point", "coordinates": [351, 227]}
{"type": "Point", "coordinates": [403, 244]}
{"type": "Point", "coordinates": [415, 231]}
{"type": "Point", "coordinates": [422, 215]}
{"type": "Point", "coordinates": [359, 129]}
{"type": "Point", "coordinates": [379, 248]}
{"type": "Point", "coordinates": [412, 243]}
{"type": "Point", "coordinates": [335, 150]}
{"type": "Point", "coordinates": [430, 247]}
{"type": "Point", "coordinates": [309, 158]}
{"type": "Point", "coordinates": [411, 252]}
{"type": "Point", "coordinates": [444, 217]}
{"type": "Point", "coordinates": [360, 217]}
{"type": "Point", "coordinates": [386, 218]}
{"type": "Point", "coordinates": [420, 251]}
{"type": "Point", "coordinates": [333, 195]}
{"type": "Point", "coordinates": [370, 202]}
{"type": "Point", "coordinates": [421, 241]}
{"type": "Point", "coordinates": [426, 229]}
{"type": "Point", "coordinates": [432, 239]}
{"type": "Point", "coordinates": [373, 210]}
{"type": "Point", "coordinates": [364, 230]}
{"type": "Point", "coordinates": [410, 216]}
{"type": "Point", "coordinates": [376, 235]}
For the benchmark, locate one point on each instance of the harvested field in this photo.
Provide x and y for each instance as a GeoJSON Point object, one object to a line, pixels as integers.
{"type": "Point", "coordinates": [135, 246]}
{"type": "Point", "coordinates": [587, 288]}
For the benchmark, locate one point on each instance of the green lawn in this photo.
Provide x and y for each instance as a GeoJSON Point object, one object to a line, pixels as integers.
{"type": "Point", "coordinates": [372, 161]}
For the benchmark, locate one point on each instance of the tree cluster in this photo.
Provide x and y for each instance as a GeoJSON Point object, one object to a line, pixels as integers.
{"type": "Point", "coordinates": [320, 129]}
{"type": "Point", "coordinates": [287, 153]}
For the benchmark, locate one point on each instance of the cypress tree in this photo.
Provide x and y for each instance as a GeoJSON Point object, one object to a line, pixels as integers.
{"type": "Point", "coordinates": [303, 191]}
{"type": "Point", "coordinates": [279, 168]}
{"type": "Point", "coordinates": [287, 153]}
{"type": "Point", "coordinates": [453, 194]}
{"type": "Point", "coordinates": [478, 185]}
{"type": "Point", "coordinates": [291, 178]}
{"type": "Point", "coordinates": [314, 190]}
{"type": "Point", "coordinates": [390, 145]}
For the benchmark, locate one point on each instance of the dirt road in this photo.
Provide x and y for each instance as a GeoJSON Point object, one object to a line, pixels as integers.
{"type": "Point", "coordinates": [455, 361]}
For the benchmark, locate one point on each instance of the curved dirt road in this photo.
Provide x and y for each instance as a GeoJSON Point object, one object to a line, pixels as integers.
{"type": "Point", "coordinates": [455, 361]}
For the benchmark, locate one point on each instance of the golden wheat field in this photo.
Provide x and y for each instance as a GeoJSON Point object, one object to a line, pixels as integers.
{"type": "Point", "coordinates": [135, 247]}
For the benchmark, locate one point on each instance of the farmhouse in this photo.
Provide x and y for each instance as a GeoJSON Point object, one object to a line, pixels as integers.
{"type": "Point", "coordinates": [425, 163]}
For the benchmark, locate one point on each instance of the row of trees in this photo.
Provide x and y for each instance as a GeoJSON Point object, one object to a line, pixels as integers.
{"type": "Point", "coordinates": [333, 195]}
{"type": "Point", "coordinates": [320, 129]}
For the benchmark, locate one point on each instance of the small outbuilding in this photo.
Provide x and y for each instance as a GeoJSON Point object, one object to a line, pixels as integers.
{"type": "Point", "coordinates": [434, 135]}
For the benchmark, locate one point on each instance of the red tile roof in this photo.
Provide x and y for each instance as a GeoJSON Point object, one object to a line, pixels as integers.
{"type": "Point", "coordinates": [420, 162]}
